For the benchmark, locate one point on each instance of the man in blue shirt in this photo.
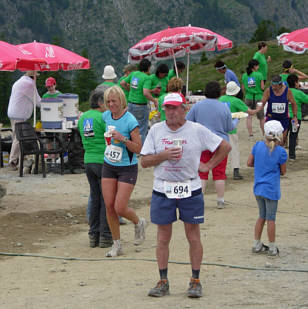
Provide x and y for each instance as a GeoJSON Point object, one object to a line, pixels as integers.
{"type": "Point", "coordinates": [229, 74]}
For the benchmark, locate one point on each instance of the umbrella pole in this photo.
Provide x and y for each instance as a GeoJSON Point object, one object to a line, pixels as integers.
{"type": "Point", "coordinates": [176, 69]}
{"type": "Point", "coordinates": [187, 75]}
{"type": "Point", "coordinates": [34, 102]}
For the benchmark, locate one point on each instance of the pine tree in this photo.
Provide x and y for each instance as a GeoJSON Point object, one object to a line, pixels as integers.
{"type": "Point", "coordinates": [84, 81]}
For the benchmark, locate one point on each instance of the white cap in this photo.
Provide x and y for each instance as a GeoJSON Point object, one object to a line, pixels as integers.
{"type": "Point", "coordinates": [232, 88]}
{"type": "Point", "coordinates": [273, 129]}
{"type": "Point", "coordinates": [109, 72]}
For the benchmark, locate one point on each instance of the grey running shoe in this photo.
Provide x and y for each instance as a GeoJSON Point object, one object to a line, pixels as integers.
{"type": "Point", "coordinates": [140, 232]}
{"type": "Point", "coordinates": [262, 249]}
{"type": "Point", "coordinates": [93, 240]}
{"type": "Point", "coordinates": [116, 250]}
{"type": "Point", "coordinates": [161, 289]}
{"type": "Point", "coordinates": [105, 242]}
{"type": "Point", "coordinates": [195, 288]}
{"type": "Point", "coordinates": [220, 205]}
{"type": "Point", "coordinates": [273, 252]}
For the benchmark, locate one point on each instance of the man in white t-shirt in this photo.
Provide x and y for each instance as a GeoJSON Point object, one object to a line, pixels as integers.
{"type": "Point", "coordinates": [20, 109]}
{"type": "Point", "coordinates": [174, 148]}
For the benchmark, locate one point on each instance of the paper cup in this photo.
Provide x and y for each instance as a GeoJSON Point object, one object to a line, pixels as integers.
{"type": "Point", "coordinates": [259, 104]}
{"type": "Point", "coordinates": [111, 128]}
{"type": "Point", "coordinates": [178, 143]}
{"type": "Point", "coordinates": [108, 137]}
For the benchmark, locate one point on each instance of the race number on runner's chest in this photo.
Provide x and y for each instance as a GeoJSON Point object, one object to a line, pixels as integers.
{"type": "Point", "coordinates": [114, 153]}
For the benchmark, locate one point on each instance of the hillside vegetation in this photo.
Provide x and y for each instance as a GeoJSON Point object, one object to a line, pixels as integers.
{"type": "Point", "coordinates": [237, 59]}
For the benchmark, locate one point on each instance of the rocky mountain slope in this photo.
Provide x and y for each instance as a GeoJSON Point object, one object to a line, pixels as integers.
{"type": "Point", "coordinates": [107, 28]}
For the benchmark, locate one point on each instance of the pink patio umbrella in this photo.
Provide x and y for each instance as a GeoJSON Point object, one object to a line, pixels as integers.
{"type": "Point", "coordinates": [295, 42]}
{"type": "Point", "coordinates": [11, 59]}
{"type": "Point", "coordinates": [56, 57]}
{"type": "Point", "coordinates": [177, 42]}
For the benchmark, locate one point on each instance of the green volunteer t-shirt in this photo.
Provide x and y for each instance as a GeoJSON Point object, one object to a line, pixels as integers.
{"type": "Point", "coordinates": [252, 85]}
{"type": "Point", "coordinates": [299, 97]}
{"type": "Point", "coordinates": [284, 77]}
{"type": "Point", "coordinates": [171, 74]}
{"type": "Point", "coordinates": [262, 64]}
{"type": "Point", "coordinates": [92, 128]}
{"type": "Point", "coordinates": [48, 95]}
{"type": "Point", "coordinates": [109, 84]}
{"type": "Point", "coordinates": [159, 81]}
{"type": "Point", "coordinates": [235, 105]}
{"type": "Point", "coordinates": [160, 107]}
{"type": "Point", "coordinates": [124, 90]}
{"type": "Point", "coordinates": [138, 81]}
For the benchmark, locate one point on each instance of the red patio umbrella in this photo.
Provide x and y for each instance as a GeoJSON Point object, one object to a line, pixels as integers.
{"type": "Point", "coordinates": [11, 59]}
{"type": "Point", "coordinates": [295, 42]}
{"type": "Point", "coordinates": [57, 58]}
{"type": "Point", "coordinates": [177, 42]}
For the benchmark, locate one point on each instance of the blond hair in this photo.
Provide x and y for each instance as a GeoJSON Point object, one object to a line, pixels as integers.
{"type": "Point", "coordinates": [175, 84]}
{"type": "Point", "coordinates": [272, 142]}
{"type": "Point", "coordinates": [118, 92]}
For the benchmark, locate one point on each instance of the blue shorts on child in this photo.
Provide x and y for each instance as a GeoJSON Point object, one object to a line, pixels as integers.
{"type": "Point", "coordinates": [267, 208]}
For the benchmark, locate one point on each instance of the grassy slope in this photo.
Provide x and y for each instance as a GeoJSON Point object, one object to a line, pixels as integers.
{"type": "Point", "coordinates": [237, 59]}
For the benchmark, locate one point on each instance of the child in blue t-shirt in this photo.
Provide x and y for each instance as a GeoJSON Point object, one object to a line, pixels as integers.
{"type": "Point", "coordinates": [269, 162]}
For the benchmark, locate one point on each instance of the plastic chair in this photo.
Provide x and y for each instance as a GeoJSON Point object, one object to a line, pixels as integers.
{"type": "Point", "coordinates": [5, 144]}
{"type": "Point", "coordinates": [30, 143]}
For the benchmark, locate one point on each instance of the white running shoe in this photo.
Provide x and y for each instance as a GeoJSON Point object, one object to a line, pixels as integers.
{"type": "Point", "coordinates": [140, 232]}
{"type": "Point", "coordinates": [116, 249]}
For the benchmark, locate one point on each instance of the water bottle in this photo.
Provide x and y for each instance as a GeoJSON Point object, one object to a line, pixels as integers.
{"type": "Point", "coordinates": [294, 126]}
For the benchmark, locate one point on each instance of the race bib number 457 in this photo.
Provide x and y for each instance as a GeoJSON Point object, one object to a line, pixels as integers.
{"type": "Point", "coordinates": [113, 153]}
{"type": "Point", "coordinates": [177, 189]}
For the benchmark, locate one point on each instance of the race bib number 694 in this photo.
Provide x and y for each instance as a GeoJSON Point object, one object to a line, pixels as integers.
{"type": "Point", "coordinates": [177, 190]}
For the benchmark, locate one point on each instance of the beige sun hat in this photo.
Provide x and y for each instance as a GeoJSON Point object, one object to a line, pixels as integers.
{"type": "Point", "coordinates": [109, 72]}
{"type": "Point", "coordinates": [232, 88]}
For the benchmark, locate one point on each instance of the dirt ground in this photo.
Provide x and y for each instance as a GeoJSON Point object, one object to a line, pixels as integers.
{"type": "Point", "coordinates": [46, 219]}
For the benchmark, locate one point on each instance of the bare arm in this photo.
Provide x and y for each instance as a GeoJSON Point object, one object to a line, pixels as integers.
{"type": "Point", "coordinates": [125, 85]}
{"type": "Point", "coordinates": [221, 152]}
{"type": "Point", "coordinates": [262, 84]}
{"type": "Point", "coordinates": [250, 160]}
{"type": "Point", "coordinates": [301, 75]}
{"type": "Point", "coordinates": [266, 96]}
{"type": "Point", "coordinates": [283, 168]}
{"type": "Point", "coordinates": [134, 144]}
{"type": "Point", "coordinates": [148, 95]}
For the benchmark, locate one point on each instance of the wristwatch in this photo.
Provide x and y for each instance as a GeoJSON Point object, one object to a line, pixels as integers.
{"type": "Point", "coordinates": [125, 140]}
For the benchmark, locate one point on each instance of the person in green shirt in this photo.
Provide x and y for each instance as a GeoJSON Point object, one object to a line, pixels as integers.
{"type": "Point", "coordinates": [159, 80]}
{"type": "Point", "coordinates": [92, 128]}
{"type": "Point", "coordinates": [236, 105]}
{"type": "Point", "coordinates": [51, 84]}
{"type": "Point", "coordinates": [127, 70]}
{"type": "Point", "coordinates": [263, 62]}
{"type": "Point", "coordinates": [175, 84]}
{"type": "Point", "coordinates": [109, 76]}
{"type": "Point", "coordinates": [288, 69]}
{"type": "Point", "coordinates": [180, 67]}
{"type": "Point", "coordinates": [300, 97]}
{"type": "Point", "coordinates": [139, 85]}
{"type": "Point", "coordinates": [253, 86]}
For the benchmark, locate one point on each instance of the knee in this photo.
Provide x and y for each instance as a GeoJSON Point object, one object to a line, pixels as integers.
{"type": "Point", "coordinates": [163, 242]}
{"type": "Point", "coordinates": [193, 240]}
